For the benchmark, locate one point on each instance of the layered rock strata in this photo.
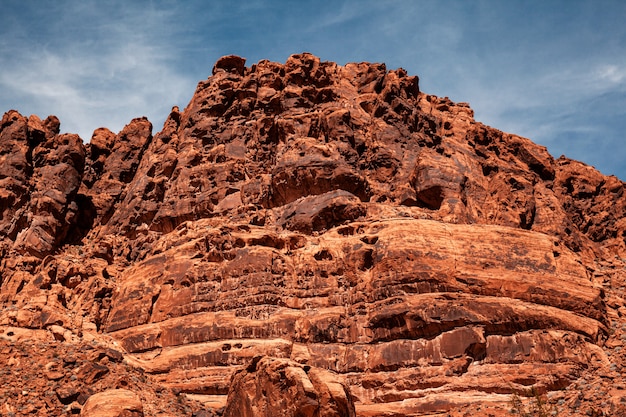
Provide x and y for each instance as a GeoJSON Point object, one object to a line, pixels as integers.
{"type": "Point", "coordinates": [333, 223]}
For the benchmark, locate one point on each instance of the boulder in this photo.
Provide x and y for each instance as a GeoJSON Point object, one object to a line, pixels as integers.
{"type": "Point", "coordinates": [113, 403]}
{"type": "Point", "coordinates": [270, 387]}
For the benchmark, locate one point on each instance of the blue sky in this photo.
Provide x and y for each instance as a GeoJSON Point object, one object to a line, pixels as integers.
{"type": "Point", "coordinates": [552, 71]}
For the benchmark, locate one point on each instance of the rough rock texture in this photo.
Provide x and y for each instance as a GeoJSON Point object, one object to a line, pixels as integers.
{"type": "Point", "coordinates": [374, 244]}
{"type": "Point", "coordinates": [271, 387]}
{"type": "Point", "coordinates": [43, 375]}
{"type": "Point", "coordinates": [113, 403]}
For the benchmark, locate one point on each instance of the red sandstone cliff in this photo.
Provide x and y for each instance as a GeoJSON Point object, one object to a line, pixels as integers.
{"type": "Point", "coordinates": [306, 239]}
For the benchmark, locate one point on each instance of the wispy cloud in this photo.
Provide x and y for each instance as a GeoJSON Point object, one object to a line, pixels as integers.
{"type": "Point", "coordinates": [119, 73]}
{"type": "Point", "coordinates": [613, 75]}
{"type": "Point", "coordinates": [578, 112]}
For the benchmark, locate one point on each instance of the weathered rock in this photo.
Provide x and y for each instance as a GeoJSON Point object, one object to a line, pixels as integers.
{"type": "Point", "coordinates": [15, 170]}
{"type": "Point", "coordinates": [318, 213]}
{"type": "Point", "coordinates": [113, 403]}
{"type": "Point", "coordinates": [230, 63]}
{"type": "Point", "coordinates": [113, 163]}
{"type": "Point", "coordinates": [325, 217]}
{"type": "Point", "coordinates": [41, 172]}
{"type": "Point", "coordinates": [269, 387]}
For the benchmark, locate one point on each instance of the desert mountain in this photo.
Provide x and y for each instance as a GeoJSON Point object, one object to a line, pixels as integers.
{"type": "Point", "coordinates": [307, 239]}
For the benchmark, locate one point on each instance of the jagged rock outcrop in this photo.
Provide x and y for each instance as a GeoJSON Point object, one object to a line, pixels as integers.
{"type": "Point", "coordinates": [41, 175]}
{"type": "Point", "coordinates": [328, 218]}
{"type": "Point", "coordinates": [270, 387]}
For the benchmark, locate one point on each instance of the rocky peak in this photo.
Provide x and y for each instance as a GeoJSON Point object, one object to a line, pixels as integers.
{"type": "Point", "coordinates": [312, 237]}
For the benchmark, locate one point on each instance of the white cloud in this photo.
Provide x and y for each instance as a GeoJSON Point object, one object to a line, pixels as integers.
{"type": "Point", "coordinates": [126, 73]}
{"type": "Point", "coordinates": [612, 74]}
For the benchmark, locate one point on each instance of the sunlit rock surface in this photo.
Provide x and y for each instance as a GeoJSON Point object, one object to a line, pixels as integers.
{"type": "Point", "coordinates": [323, 239]}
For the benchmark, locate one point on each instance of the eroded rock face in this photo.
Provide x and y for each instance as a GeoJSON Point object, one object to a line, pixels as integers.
{"type": "Point", "coordinates": [41, 173]}
{"type": "Point", "coordinates": [270, 387]}
{"type": "Point", "coordinates": [113, 403]}
{"type": "Point", "coordinates": [334, 220]}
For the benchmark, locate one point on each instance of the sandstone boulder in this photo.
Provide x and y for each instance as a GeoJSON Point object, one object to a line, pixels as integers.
{"type": "Point", "coordinates": [113, 403]}
{"type": "Point", "coordinates": [270, 387]}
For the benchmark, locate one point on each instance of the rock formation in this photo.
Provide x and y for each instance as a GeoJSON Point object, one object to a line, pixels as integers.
{"type": "Point", "coordinates": [307, 239]}
{"type": "Point", "coordinates": [271, 387]}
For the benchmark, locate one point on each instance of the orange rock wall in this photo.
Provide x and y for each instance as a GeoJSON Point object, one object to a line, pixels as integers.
{"type": "Point", "coordinates": [390, 253]}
